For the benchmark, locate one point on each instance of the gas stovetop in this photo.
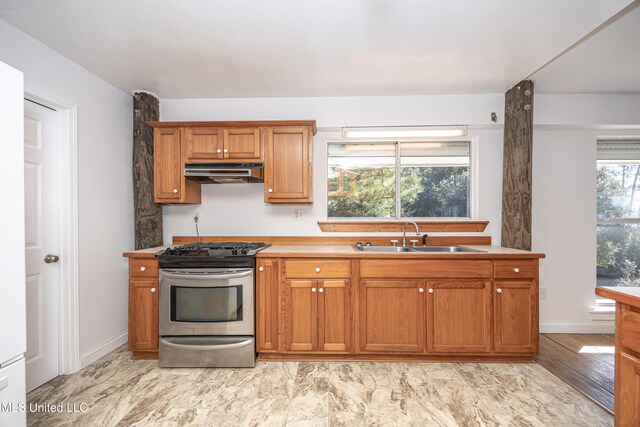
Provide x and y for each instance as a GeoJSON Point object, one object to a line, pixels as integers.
{"type": "Point", "coordinates": [206, 255]}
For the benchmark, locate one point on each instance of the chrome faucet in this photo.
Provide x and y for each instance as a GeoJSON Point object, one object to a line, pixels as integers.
{"type": "Point", "coordinates": [404, 232]}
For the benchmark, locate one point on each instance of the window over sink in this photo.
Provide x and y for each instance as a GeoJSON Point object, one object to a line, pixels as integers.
{"type": "Point", "coordinates": [398, 180]}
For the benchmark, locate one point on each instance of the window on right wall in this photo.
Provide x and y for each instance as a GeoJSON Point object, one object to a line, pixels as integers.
{"type": "Point", "coordinates": [618, 209]}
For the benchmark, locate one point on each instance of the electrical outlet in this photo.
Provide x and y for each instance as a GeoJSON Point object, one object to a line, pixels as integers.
{"type": "Point", "coordinates": [543, 294]}
{"type": "Point", "coordinates": [298, 213]}
{"type": "Point", "coordinates": [196, 217]}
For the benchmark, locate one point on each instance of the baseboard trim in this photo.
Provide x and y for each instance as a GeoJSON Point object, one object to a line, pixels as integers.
{"type": "Point", "coordinates": [89, 358]}
{"type": "Point", "coordinates": [601, 327]}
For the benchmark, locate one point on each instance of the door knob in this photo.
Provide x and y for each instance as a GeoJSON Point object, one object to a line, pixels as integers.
{"type": "Point", "coordinates": [175, 190]}
{"type": "Point", "coordinates": [261, 268]}
{"type": "Point", "coordinates": [270, 190]}
{"type": "Point", "coordinates": [50, 258]}
{"type": "Point", "coordinates": [153, 290]}
{"type": "Point", "coordinates": [313, 289]}
{"type": "Point", "coordinates": [321, 290]}
{"type": "Point", "coordinates": [218, 151]}
{"type": "Point", "coordinates": [226, 151]}
{"type": "Point", "coordinates": [499, 290]}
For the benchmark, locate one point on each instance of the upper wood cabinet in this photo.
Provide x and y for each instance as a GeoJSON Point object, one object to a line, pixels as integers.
{"type": "Point", "coordinates": [169, 182]}
{"type": "Point", "coordinates": [288, 172]}
{"type": "Point", "coordinates": [217, 144]}
{"type": "Point", "coordinates": [285, 147]}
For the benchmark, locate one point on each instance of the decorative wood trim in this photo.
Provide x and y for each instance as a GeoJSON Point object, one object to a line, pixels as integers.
{"type": "Point", "coordinates": [516, 181]}
{"type": "Point", "coordinates": [327, 240]}
{"type": "Point", "coordinates": [383, 226]}
{"type": "Point", "coordinates": [238, 124]}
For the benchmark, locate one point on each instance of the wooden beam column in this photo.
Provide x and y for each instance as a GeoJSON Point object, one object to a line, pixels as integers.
{"type": "Point", "coordinates": [148, 215]}
{"type": "Point", "coordinates": [516, 181]}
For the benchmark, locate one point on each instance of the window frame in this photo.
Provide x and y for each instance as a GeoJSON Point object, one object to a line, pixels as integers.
{"type": "Point", "coordinates": [473, 178]}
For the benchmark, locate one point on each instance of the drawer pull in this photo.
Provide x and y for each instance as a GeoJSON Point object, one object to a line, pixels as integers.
{"type": "Point", "coordinates": [517, 270]}
{"type": "Point", "coordinates": [421, 290]}
{"type": "Point", "coordinates": [153, 290]}
{"type": "Point", "coordinates": [317, 269]}
{"type": "Point", "coordinates": [499, 290]}
{"type": "Point", "coordinates": [313, 290]}
{"type": "Point", "coordinates": [261, 269]}
{"type": "Point", "coordinates": [143, 268]}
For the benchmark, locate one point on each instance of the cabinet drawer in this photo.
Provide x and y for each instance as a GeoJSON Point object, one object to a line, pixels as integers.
{"type": "Point", "coordinates": [432, 269]}
{"type": "Point", "coordinates": [630, 330]}
{"type": "Point", "coordinates": [321, 269]}
{"type": "Point", "coordinates": [143, 267]}
{"type": "Point", "coordinates": [515, 269]}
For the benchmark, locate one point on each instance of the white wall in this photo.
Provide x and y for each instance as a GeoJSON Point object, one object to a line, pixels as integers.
{"type": "Point", "coordinates": [240, 208]}
{"type": "Point", "coordinates": [105, 198]}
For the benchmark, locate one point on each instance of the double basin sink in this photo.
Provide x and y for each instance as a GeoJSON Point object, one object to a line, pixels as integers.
{"type": "Point", "coordinates": [415, 249]}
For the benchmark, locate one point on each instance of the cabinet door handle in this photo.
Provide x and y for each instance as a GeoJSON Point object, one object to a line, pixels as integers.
{"type": "Point", "coordinates": [218, 151]}
{"type": "Point", "coordinates": [143, 268]}
{"type": "Point", "coordinates": [499, 290]}
{"type": "Point", "coordinates": [175, 190]}
{"type": "Point", "coordinates": [430, 290]}
{"type": "Point", "coordinates": [270, 190]}
{"type": "Point", "coordinates": [153, 290]}
{"type": "Point", "coordinates": [317, 269]}
{"type": "Point", "coordinates": [261, 269]}
{"type": "Point", "coordinates": [226, 151]}
{"type": "Point", "coordinates": [421, 290]}
{"type": "Point", "coordinates": [321, 290]}
{"type": "Point", "coordinates": [517, 270]}
{"type": "Point", "coordinates": [313, 290]}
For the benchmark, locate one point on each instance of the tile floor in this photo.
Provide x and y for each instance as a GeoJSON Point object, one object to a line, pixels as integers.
{"type": "Point", "coordinates": [122, 392]}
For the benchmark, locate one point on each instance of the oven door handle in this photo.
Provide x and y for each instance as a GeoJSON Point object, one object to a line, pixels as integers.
{"type": "Point", "coordinates": [208, 347]}
{"type": "Point", "coordinates": [205, 276]}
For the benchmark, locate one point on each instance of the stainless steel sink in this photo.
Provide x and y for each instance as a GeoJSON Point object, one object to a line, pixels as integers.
{"type": "Point", "coordinates": [392, 249]}
{"type": "Point", "coordinates": [430, 249]}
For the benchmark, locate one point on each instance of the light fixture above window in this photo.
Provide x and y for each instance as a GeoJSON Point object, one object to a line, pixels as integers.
{"type": "Point", "coordinates": [402, 131]}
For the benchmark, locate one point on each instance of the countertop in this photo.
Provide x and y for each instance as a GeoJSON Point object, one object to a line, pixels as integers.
{"type": "Point", "coordinates": [623, 294]}
{"type": "Point", "coordinates": [347, 251]}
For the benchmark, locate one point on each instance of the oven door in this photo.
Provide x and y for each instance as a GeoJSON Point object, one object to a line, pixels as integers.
{"type": "Point", "coordinates": [201, 301]}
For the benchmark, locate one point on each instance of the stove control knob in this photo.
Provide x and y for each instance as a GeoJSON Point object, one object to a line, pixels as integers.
{"type": "Point", "coordinates": [153, 290]}
{"type": "Point", "coordinates": [143, 268]}
{"type": "Point", "coordinates": [317, 269]}
{"type": "Point", "coordinates": [261, 269]}
{"type": "Point", "coordinates": [175, 190]}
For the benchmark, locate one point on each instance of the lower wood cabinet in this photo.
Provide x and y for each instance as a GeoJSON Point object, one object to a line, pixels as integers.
{"type": "Point", "coordinates": [317, 315]}
{"type": "Point", "coordinates": [627, 395]}
{"type": "Point", "coordinates": [267, 319]}
{"type": "Point", "coordinates": [143, 315]}
{"type": "Point", "coordinates": [516, 316]}
{"type": "Point", "coordinates": [392, 316]}
{"type": "Point", "coordinates": [459, 316]}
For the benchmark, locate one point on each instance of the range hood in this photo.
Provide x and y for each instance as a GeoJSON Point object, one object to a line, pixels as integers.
{"type": "Point", "coordinates": [225, 173]}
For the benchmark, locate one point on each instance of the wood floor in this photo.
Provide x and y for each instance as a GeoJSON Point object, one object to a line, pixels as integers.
{"type": "Point", "coordinates": [584, 361]}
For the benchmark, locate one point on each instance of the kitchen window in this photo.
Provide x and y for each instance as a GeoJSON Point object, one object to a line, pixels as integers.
{"type": "Point", "coordinates": [618, 210]}
{"type": "Point", "coordinates": [394, 180]}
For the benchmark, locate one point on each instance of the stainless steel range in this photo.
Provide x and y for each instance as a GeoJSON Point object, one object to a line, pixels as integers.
{"type": "Point", "coordinates": [206, 311]}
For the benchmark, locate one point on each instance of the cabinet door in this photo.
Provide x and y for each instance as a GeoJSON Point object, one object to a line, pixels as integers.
{"type": "Point", "coordinates": [459, 316]}
{"type": "Point", "coordinates": [627, 396]}
{"type": "Point", "coordinates": [301, 315]}
{"type": "Point", "coordinates": [288, 175]}
{"type": "Point", "coordinates": [167, 176]}
{"type": "Point", "coordinates": [143, 315]}
{"type": "Point", "coordinates": [267, 278]}
{"type": "Point", "coordinates": [242, 144]}
{"type": "Point", "coordinates": [334, 315]}
{"type": "Point", "coordinates": [516, 317]}
{"type": "Point", "coordinates": [392, 316]}
{"type": "Point", "coordinates": [203, 144]}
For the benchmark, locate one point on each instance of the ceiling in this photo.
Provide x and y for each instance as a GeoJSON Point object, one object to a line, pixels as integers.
{"type": "Point", "coordinates": [606, 62]}
{"type": "Point", "coordinates": [277, 48]}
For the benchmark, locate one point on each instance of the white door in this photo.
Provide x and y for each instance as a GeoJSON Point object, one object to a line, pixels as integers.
{"type": "Point", "coordinates": [41, 162]}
